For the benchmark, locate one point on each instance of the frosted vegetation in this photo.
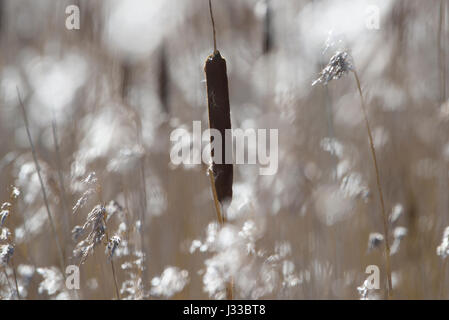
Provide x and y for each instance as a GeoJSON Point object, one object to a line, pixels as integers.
{"type": "Point", "coordinates": [101, 103]}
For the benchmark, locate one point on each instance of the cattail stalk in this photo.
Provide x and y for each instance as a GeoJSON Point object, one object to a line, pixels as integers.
{"type": "Point", "coordinates": [379, 187]}
{"type": "Point", "coordinates": [213, 26]}
{"type": "Point", "coordinates": [221, 173]}
{"type": "Point", "coordinates": [220, 217]}
{"type": "Point", "coordinates": [44, 193]}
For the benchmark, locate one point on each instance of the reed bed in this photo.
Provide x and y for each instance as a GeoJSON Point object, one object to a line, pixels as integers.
{"type": "Point", "coordinates": [88, 182]}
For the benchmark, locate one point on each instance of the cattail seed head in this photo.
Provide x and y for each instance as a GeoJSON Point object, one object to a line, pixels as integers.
{"type": "Point", "coordinates": [220, 119]}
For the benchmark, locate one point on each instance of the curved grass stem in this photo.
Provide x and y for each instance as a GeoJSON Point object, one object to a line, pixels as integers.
{"type": "Point", "coordinates": [379, 188]}
{"type": "Point", "coordinates": [44, 193]}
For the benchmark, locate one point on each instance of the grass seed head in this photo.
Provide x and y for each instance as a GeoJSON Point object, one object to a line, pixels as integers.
{"type": "Point", "coordinates": [339, 65]}
{"type": "Point", "coordinates": [6, 253]}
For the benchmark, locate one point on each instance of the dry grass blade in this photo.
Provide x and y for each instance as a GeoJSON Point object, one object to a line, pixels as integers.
{"type": "Point", "coordinates": [340, 64]}
{"type": "Point", "coordinates": [7, 279]}
{"type": "Point", "coordinates": [15, 279]}
{"type": "Point", "coordinates": [379, 188]}
{"type": "Point", "coordinates": [442, 40]}
{"type": "Point", "coordinates": [220, 216]}
{"type": "Point", "coordinates": [61, 179]}
{"type": "Point", "coordinates": [117, 291]}
{"type": "Point", "coordinates": [44, 193]}
{"type": "Point", "coordinates": [126, 79]}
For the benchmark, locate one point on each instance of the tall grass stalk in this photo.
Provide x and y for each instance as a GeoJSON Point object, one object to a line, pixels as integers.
{"type": "Point", "coordinates": [15, 278]}
{"type": "Point", "coordinates": [379, 187]}
{"type": "Point", "coordinates": [7, 280]}
{"type": "Point", "coordinates": [44, 193]}
{"type": "Point", "coordinates": [442, 40]}
{"type": "Point", "coordinates": [221, 220]}
{"type": "Point", "coordinates": [61, 179]}
{"type": "Point", "coordinates": [126, 78]}
{"type": "Point", "coordinates": [117, 291]}
{"type": "Point", "coordinates": [220, 174]}
{"type": "Point", "coordinates": [114, 276]}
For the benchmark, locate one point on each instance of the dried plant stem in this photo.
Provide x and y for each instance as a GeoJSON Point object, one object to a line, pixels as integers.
{"type": "Point", "coordinates": [219, 119]}
{"type": "Point", "coordinates": [442, 51]}
{"type": "Point", "coordinates": [7, 280]}
{"type": "Point", "coordinates": [15, 278]}
{"type": "Point", "coordinates": [117, 291]}
{"type": "Point", "coordinates": [44, 193]}
{"type": "Point", "coordinates": [100, 198]}
{"type": "Point", "coordinates": [126, 208]}
{"type": "Point", "coordinates": [213, 26]}
{"type": "Point", "coordinates": [143, 210]}
{"type": "Point", "coordinates": [443, 278]}
{"type": "Point", "coordinates": [127, 75]}
{"type": "Point", "coordinates": [221, 220]}
{"type": "Point", "coordinates": [220, 217]}
{"type": "Point", "coordinates": [61, 178]}
{"type": "Point", "coordinates": [379, 188]}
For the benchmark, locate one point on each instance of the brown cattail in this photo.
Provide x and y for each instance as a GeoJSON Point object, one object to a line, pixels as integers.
{"type": "Point", "coordinates": [267, 41]}
{"type": "Point", "coordinates": [220, 119]}
{"type": "Point", "coordinates": [163, 79]}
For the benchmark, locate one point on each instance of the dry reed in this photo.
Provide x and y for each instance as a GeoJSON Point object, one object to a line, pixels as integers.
{"type": "Point", "coordinates": [44, 193]}
{"type": "Point", "coordinates": [221, 173]}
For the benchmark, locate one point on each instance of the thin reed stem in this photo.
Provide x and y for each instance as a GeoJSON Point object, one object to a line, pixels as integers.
{"type": "Point", "coordinates": [7, 280]}
{"type": "Point", "coordinates": [442, 279]}
{"type": "Point", "coordinates": [61, 178]}
{"type": "Point", "coordinates": [221, 220]}
{"type": "Point", "coordinates": [44, 193]}
{"type": "Point", "coordinates": [379, 188]}
{"type": "Point", "coordinates": [127, 75]}
{"type": "Point", "coordinates": [220, 217]}
{"type": "Point", "coordinates": [142, 215]}
{"type": "Point", "coordinates": [15, 278]}
{"type": "Point", "coordinates": [117, 291]}
{"type": "Point", "coordinates": [442, 51]}
{"type": "Point", "coordinates": [100, 199]}
{"type": "Point", "coordinates": [213, 25]}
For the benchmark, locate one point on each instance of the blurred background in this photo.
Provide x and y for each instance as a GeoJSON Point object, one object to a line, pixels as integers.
{"type": "Point", "coordinates": [102, 100]}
